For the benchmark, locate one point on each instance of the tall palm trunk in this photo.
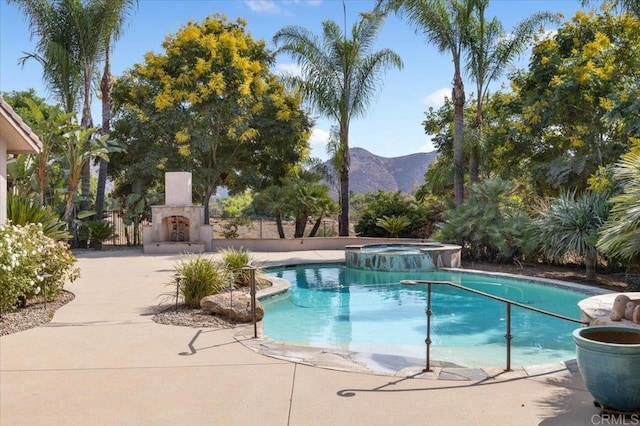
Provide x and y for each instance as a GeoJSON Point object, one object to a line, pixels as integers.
{"type": "Point", "coordinates": [316, 226]}
{"type": "Point", "coordinates": [87, 122]}
{"type": "Point", "coordinates": [300, 225]}
{"type": "Point", "coordinates": [458, 118]}
{"type": "Point", "coordinates": [105, 88]}
{"type": "Point", "coordinates": [345, 167]}
{"type": "Point", "coordinates": [474, 165]}
{"type": "Point", "coordinates": [279, 224]}
{"type": "Point", "coordinates": [591, 263]}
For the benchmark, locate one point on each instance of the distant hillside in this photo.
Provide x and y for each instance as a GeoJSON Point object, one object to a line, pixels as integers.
{"type": "Point", "coordinates": [370, 172]}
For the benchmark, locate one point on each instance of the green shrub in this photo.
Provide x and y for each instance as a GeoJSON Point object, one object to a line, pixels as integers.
{"type": "Point", "coordinates": [422, 216]}
{"type": "Point", "coordinates": [233, 261]}
{"type": "Point", "coordinates": [97, 232]}
{"type": "Point", "coordinates": [22, 210]}
{"type": "Point", "coordinates": [569, 224]}
{"type": "Point", "coordinates": [31, 263]}
{"type": "Point", "coordinates": [202, 277]}
{"type": "Point", "coordinates": [230, 227]}
{"type": "Point", "coordinates": [620, 236]}
{"type": "Point", "coordinates": [491, 223]}
{"type": "Point", "coordinates": [393, 224]}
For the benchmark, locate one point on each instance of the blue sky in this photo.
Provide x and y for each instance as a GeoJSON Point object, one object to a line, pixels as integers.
{"type": "Point", "coordinates": [392, 127]}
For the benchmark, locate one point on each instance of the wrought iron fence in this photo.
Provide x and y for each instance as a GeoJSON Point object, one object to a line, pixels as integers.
{"type": "Point", "coordinates": [266, 227]}
{"type": "Point", "coordinates": [125, 235]}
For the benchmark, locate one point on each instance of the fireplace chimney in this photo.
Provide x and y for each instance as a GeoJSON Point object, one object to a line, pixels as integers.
{"type": "Point", "coordinates": [177, 189]}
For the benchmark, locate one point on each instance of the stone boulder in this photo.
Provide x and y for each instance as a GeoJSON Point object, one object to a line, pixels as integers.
{"type": "Point", "coordinates": [236, 307]}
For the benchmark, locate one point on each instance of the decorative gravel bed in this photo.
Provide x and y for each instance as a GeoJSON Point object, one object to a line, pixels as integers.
{"type": "Point", "coordinates": [191, 317]}
{"type": "Point", "coordinates": [33, 315]}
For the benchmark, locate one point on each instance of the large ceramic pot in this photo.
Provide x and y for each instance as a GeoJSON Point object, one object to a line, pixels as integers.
{"type": "Point", "coordinates": [609, 361]}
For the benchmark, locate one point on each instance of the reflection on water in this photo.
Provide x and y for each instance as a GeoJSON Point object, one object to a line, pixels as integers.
{"type": "Point", "coordinates": [334, 306]}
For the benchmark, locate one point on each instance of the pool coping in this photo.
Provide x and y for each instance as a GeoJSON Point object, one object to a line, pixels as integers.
{"type": "Point", "coordinates": [389, 365]}
{"type": "Point", "coordinates": [396, 365]}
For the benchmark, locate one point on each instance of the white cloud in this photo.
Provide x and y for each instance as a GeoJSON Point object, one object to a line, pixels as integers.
{"type": "Point", "coordinates": [309, 2]}
{"type": "Point", "coordinates": [318, 143]}
{"type": "Point", "coordinates": [262, 6]}
{"type": "Point", "coordinates": [271, 6]}
{"type": "Point", "coordinates": [290, 69]}
{"type": "Point", "coordinates": [428, 146]}
{"type": "Point", "coordinates": [436, 99]}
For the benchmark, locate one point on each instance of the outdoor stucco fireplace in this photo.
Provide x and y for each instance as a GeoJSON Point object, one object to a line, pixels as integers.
{"type": "Point", "coordinates": [178, 225]}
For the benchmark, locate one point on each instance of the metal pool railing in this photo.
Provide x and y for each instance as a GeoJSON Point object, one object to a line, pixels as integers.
{"type": "Point", "coordinates": [507, 302]}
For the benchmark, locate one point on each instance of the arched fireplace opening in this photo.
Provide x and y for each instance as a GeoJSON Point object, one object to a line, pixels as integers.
{"type": "Point", "coordinates": [177, 228]}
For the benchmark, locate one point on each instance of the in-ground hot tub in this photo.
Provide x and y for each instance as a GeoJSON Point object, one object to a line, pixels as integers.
{"type": "Point", "coordinates": [402, 257]}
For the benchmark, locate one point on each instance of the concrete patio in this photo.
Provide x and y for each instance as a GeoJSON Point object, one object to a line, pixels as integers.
{"type": "Point", "coordinates": [103, 361]}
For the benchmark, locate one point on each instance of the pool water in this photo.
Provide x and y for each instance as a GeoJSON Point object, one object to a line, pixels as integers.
{"type": "Point", "coordinates": [363, 311]}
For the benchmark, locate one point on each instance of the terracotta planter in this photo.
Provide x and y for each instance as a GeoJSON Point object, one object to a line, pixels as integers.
{"type": "Point", "coordinates": [609, 361]}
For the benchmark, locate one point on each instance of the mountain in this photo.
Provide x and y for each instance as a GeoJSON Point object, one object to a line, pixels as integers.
{"type": "Point", "coordinates": [370, 172]}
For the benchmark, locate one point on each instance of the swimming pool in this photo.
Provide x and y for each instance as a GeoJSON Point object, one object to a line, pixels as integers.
{"type": "Point", "coordinates": [334, 306]}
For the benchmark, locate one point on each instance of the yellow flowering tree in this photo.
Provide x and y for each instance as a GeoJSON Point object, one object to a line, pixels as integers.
{"type": "Point", "coordinates": [209, 104]}
{"type": "Point", "coordinates": [575, 94]}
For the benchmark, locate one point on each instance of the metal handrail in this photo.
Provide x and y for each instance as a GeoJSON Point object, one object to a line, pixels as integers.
{"type": "Point", "coordinates": [490, 296]}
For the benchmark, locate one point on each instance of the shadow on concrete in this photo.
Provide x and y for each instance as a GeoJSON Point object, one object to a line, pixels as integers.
{"type": "Point", "coordinates": [569, 404]}
{"type": "Point", "coordinates": [193, 350]}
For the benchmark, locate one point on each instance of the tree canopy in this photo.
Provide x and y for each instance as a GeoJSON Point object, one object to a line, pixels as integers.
{"type": "Point", "coordinates": [579, 96]}
{"type": "Point", "coordinates": [208, 104]}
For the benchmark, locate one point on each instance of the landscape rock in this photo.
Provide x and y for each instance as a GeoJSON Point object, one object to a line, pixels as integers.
{"type": "Point", "coordinates": [236, 307]}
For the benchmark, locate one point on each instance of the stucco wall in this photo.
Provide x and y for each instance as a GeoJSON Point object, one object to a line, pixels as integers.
{"type": "Point", "coordinates": [3, 181]}
{"type": "Point", "coordinates": [272, 245]}
{"type": "Point", "coordinates": [294, 244]}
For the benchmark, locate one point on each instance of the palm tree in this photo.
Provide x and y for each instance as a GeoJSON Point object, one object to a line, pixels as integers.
{"type": "Point", "coordinates": [112, 31]}
{"type": "Point", "coordinates": [306, 197]}
{"type": "Point", "coordinates": [339, 77]}
{"type": "Point", "coordinates": [73, 37]}
{"type": "Point", "coordinates": [393, 224]}
{"type": "Point", "coordinates": [52, 24]}
{"type": "Point", "coordinates": [620, 236]}
{"type": "Point", "coordinates": [274, 199]}
{"type": "Point", "coordinates": [324, 207]}
{"type": "Point", "coordinates": [570, 224]}
{"type": "Point", "coordinates": [491, 50]}
{"type": "Point", "coordinates": [447, 25]}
